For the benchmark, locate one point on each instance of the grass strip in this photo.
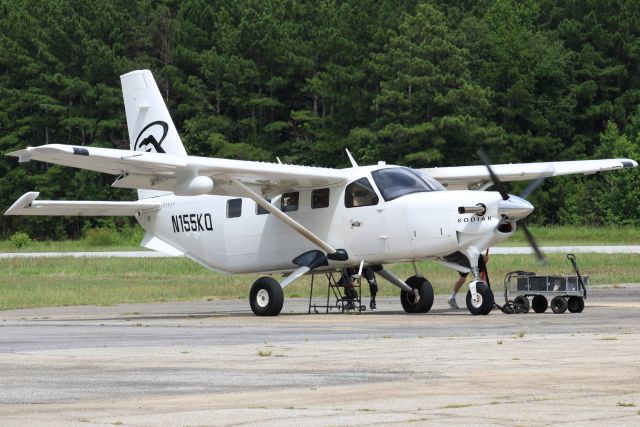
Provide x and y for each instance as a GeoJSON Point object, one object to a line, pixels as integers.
{"type": "Point", "coordinates": [545, 236]}
{"type": "Point", "coordinates": [44, 282]}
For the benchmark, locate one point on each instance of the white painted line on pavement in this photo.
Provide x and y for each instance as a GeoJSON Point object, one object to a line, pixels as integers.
{"type": "Point", "coordinates": [130, 254]}
{"type": "Point", "coordinates": [501, 250]}
{"type": "Point", "coordinates": [505, 250]}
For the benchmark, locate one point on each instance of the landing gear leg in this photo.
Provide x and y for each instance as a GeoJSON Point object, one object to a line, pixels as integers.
{"type": "Point", "coordinates": [416, 294]}
{"type": "Point", "coordinates": [480, 296]}
{"type": "Point", "coordinates": [267, 297]}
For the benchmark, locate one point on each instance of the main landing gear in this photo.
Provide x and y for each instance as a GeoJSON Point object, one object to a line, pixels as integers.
{"type": "Point", "coordinates": [266, 297]}
{"type": "Point", "coordinates": [416, 293]}
{"type": "Point", "coordinates": [420, 298]}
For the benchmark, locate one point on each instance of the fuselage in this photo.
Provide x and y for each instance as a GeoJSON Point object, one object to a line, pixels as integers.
{"type": "Point", "coordinates": [370, 218]}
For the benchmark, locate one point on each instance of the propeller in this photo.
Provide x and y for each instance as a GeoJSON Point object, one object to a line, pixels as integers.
{"type": "Point", "coordinates": [533, 186]}
{"type": "Point", "coordinates": [523, 196]}
{"type": "Point", "coordinates": [496, 181]}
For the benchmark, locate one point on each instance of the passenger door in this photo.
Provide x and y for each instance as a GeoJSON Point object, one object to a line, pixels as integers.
{"type": "Point", "coordinates": [364, 219]}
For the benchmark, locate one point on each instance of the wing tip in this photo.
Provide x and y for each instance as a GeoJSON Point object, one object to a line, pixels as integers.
{"type": "Point", "coordinates": [23, 155]}
{"type": "Point", "coordinates": [134, 72]}
{"type": "Point", "coordinates": [24, 202]}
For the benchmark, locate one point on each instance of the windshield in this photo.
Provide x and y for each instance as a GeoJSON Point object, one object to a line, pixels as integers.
{"type": "Point", "coordinates": [433, 183]}
{"type": "Point", "coordinates": [398, 182]}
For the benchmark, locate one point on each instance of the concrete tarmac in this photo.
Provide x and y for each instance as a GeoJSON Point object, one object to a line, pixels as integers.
{"type": "Point", "coordinates": [215, 363]}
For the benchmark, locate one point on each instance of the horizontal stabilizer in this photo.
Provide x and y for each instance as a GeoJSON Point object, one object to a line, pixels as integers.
{"type": "Point", "coordinates": [152, 242]}
{"type": "Point", "coordinates": [28, 205]}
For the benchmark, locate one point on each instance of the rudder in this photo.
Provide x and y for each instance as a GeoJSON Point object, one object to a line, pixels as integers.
{"type": "Point", "coordinates": [150, 126]}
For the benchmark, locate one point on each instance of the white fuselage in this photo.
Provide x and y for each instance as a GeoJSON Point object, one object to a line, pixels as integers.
{"type": "Point", "coordinates": [414, 226]}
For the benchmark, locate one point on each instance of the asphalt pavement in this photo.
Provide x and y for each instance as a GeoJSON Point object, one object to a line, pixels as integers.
{"type": "Point", "coordinates": [215, 363]}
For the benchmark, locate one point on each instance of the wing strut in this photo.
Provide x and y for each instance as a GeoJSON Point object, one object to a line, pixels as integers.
{"type": "Point", "coordinates": [338, 254]}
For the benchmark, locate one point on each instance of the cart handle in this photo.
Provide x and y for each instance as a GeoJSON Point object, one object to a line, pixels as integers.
{"type": "Point", "coordinates": [572, 258]}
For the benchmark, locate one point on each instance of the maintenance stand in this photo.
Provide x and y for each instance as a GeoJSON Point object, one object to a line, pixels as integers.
{"type": "Point", "coordinates": [336, 296]}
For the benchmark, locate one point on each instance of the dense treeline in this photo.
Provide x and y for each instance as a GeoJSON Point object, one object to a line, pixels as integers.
{"type": "Point", "coordinates": [421, 83]}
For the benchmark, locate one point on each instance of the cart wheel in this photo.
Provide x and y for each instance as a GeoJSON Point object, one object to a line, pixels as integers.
{"type": "Point", "coordinates": [559, 304]}
{"type": "Point", "coordinates": [521, 304]}
{"type": "Point", "coordinates": [576, 304]}
{"type": "Point", "coordinates": [539, 304]}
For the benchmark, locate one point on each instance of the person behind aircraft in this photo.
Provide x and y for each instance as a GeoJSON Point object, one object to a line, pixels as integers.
{"type": "Point", "coordinates": [370, 276]}
{"type": "Point", "coordinates": [484, 276]}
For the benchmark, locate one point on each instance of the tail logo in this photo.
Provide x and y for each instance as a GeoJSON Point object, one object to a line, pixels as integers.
{"type": "Point", "coordinates": [150, 138]}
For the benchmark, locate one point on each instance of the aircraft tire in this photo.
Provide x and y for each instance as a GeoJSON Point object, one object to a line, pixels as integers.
{"type": "Point", "coordinates": [559, 304]}
{"type": "Point", "coordinates": [576, 305]}
{"type": "Point", "coordinates": [420, 300]}
{"type": "Point", "coordinates": [539, 304]}
{"type": "Point", "coordinates": [266, 297]}
{"type": "Point", "coordinates": [484, 303]}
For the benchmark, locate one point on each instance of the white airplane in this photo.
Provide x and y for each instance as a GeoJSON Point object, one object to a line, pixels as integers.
{"type": "Point", "coordinates": [238, 216]}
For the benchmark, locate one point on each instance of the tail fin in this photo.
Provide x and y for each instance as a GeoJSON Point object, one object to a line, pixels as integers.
{"type": "Point", "coordinates": [150, 126]}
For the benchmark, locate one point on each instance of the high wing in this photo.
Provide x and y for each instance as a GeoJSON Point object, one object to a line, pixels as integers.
{"type": "Point", "coordinates": [465, 177]}
{"type": "Point", "coordinates": [169, 172]}
{"type": "Point", "coordinates": [28, 205]}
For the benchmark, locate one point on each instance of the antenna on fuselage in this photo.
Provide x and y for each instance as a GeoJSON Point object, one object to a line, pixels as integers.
{"type": "Point", "coordinates": [279, 161]}
{"type": "Point", "coordinates": [351, 159]}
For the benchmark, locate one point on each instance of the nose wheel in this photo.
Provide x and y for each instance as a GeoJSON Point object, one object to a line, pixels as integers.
{"type": "Point", "coordinates": [480, 301]}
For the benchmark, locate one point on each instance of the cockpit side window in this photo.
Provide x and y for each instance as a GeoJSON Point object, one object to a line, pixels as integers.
{"type": "Point", "coordinates": [398, 182]}
{"type": "Point", "coordinates": [360, 193]}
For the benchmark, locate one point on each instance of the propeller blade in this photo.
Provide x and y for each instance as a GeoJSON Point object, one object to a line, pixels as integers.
{"type": "Point", "coordinates": [505, 196]}
{"type": "Point", "coordinates": [496, 181]}
{"type": "Point", "coordinates": [541, 258]}
{"type": "Point", "coordinates": [533, 186]}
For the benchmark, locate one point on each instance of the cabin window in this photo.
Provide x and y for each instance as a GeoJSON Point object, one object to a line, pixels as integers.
{"type": "Point", "coordinates": [260, 210]}
{"type": "Point", "coordinates": [234, 208]}
{"type": "Point", "coordinates": [360, 193]}
{"type": "Point", "coordinates": [289, 202]}
{"type": "Point", "coordinates": [320, 198]}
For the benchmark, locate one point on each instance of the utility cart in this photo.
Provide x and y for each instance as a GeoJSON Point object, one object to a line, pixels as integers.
{"type": "Point", "coordinates": [565, 292]}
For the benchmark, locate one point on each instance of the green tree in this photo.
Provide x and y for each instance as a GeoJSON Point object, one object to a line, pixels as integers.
{"type": "Point", "coordinates": [427, 107]}
{"type": "Point", "coordinates": [610, 198]}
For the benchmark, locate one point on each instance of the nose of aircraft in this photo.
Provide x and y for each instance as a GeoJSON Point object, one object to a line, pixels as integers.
{"type": "Point", "coordinates": [514, 208]}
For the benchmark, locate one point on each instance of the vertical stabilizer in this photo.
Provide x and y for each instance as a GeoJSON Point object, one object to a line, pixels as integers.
{"type": "Point", "coordinates": [150, 126]}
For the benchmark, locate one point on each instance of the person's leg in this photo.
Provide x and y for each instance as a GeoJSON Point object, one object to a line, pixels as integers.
{"type": "Point", "coordinates": [452, 299]}
{"type": "Point", "coordinates": [373, 286]}
{"type": "Point", "coordinates": [459, 284]}
{"type": "Point", "coordinates": [350, 292]}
